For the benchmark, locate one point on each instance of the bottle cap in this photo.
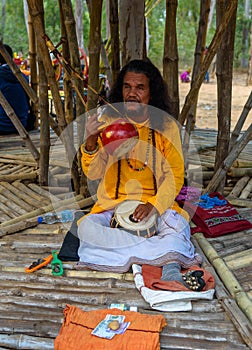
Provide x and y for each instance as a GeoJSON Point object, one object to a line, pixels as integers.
{"type": "Point", "coordinates": [40, 219]}
{"type": "Point", "coordinates": [133, 308]}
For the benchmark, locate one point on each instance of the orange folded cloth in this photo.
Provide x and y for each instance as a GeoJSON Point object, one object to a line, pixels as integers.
{"type": "Point", "coordinates": [152, 279]}
{"type": "Point", "coordinates": [75, 333]}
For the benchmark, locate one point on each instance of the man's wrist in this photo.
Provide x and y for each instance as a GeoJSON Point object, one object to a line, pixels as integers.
{"type": "Point", "coordinates": [90, 149]}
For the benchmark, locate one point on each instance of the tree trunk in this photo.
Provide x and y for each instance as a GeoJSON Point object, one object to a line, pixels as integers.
{"type": "Point", "coordinates": [211, 13]}
{"type": "Point", "coordinates": [221, 172]}
{"type": "Point", "coordinates": [115, 42]}
{"type": "Point", "coordinates": [94, 47]}
{"type": "Point", "coordinates": [200, 44]}
{"type": "Point", "coordinates": [74, 54]}
{"type": "Point", "coordinates": [131, 29]}
{"type": "Point", "coordinates": [107, 4]}
{"type": "Point", "coordinates": [245, 34]}
{"type": "Point", "coordinates": [67, 85]}
{"type": "Point", "coordinates": [26, 15]}
{"type": "Point", "coordinates": [33, 68]}
{"type": "Point", "coordinates": [198, 58]}
{"type": "Point", "coordinates": [36, 10]}
{"type": "Point", "coordinates": [70, 28]}
{"type": "Point", "coordinates": [238, 127]}
{"type": "Point", "coordinates": [44, 123]}
{"type": "Point", "coordinates": [213, 47]}
{"type": "Point", "coordinates": [3, 18]}
{"type": "Point", "coordinates": [170, 58]}
{"type": "Point", "coordinates": [249, 75]}
{"type": "Point", "coordinates": [79, 25]}
{"type": "Point", "coordinates": [224, 70]}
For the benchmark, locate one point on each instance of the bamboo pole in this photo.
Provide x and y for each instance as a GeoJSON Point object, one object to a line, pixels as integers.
{"type": "Point", "coordinates": [19, 176]}
{"type": "Point", "coordinates": [237, 202]}
{"type": "Point", "coordinates": [106, 64]}
{"type": "Point", "coordinates": [18, 161]}
{"type": "Point", "coordinates": [236, 132]}
{"type": "Point", "coordinates": [226, 275]}
{"type": "Point", "coordinates": [17, 227]}
{"type": "Point", "coordinates": [19, 126]}
{"type": "Point", "coordinates": [213, 47]}
{"type": "Point", "coordinates": [44, 122]}
{"type": "Point", "coordinates": [33, 68]}
{"type": "Point", "coordinates": [198, 58]}
{"type": "Point", "coordinates": [10, 193]}
{"type": "Point", "coordinates": [78, 201]}
{"type": "Point", "coordinates": [37, 15]}
{"type": "Point", "coordinates": [234, 313]}
{"type": "Point", "coordinates": [239, 172]}
{"type": "Point", "coordinates": [228, 161]}
{"type": "Point", "coordinates": [239, 260]}
{"type": "Point", "coordinates": [241, 183]}
{"type": "Point", "coordinates": [242, 164]}
{"type": "Point", "coordinates": [27, 342]}
{"type": "Point", "coordinates": [246, 191]}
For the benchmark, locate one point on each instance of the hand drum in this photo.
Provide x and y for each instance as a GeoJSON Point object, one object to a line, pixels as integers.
{"type": "Point", "coordinates": [119, 137]}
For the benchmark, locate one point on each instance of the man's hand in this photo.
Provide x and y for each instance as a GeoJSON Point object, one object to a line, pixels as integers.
{"type": "Point", "coordinates": [93, 129]}
{"type": "Point", "coordinates": [144, 211]}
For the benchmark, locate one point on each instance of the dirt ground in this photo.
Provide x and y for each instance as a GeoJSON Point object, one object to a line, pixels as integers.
{"type": "Point", "coordinates": [207, 102]}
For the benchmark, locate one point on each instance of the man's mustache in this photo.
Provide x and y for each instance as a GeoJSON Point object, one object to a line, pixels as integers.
{"type": "Point", "coordinates": [132, 100]}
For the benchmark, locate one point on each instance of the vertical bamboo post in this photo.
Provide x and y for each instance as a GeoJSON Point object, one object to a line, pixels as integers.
{"type": "Point", "coordinates": [33, 66]}
{"type": "Point", "coordinates": [213, 47]}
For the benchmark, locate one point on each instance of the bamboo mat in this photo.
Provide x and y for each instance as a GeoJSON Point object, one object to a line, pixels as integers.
{"type": "Point", "coordinates": [31, 305]}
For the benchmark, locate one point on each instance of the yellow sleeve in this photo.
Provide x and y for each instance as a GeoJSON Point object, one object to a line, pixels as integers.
{"type": "Point", "coordinates": [94, 165]}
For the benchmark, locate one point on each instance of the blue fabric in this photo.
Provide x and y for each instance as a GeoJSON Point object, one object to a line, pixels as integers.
{"type": "Point", "coordinates": [17, 98]}
{"type": "Point", "coordinates": [207, 202]}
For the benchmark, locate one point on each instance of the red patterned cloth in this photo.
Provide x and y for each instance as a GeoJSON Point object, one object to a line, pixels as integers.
{"type": "Point", "coordinates": [217, 221]}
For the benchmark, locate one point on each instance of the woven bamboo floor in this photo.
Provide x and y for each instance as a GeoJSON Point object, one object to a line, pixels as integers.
{"type": "Point", "coordinates": [31, 305]}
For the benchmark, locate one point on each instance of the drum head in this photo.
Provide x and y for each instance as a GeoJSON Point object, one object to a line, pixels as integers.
{"type": "Point", "coordinates": [123, 212]}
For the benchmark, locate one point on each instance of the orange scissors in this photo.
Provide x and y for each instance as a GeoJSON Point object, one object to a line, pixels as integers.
{"type": "Point", "coordinates": [36, 265]}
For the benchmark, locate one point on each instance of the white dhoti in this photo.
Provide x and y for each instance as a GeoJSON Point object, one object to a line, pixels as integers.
{"type": "Point", "coordinates": [104, 248]}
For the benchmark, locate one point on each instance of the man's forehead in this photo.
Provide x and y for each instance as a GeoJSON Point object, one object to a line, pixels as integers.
{"type": "Point", "coordinates": [136, 77]}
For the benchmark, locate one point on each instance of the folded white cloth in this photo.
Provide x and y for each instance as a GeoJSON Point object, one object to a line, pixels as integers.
{"type": "Point", "coordinates": [168, 300]}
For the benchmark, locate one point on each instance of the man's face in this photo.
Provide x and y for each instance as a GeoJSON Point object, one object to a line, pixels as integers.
{"type": "Point", "coordinates": [136, 93]}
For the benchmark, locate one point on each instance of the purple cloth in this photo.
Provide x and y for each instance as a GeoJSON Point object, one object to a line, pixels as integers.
{"type": "Point", "coordinates": [188, 193]}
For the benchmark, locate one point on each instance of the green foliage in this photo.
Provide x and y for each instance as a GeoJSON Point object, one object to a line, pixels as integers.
{"type": "Point", "coordinates": [15, 33]}
{"type": "Point", "coordinates": [156, 25]}
{"type": "Point", "coordinates": [187, 25]}
{"type": "Point", "coordinates": [52, 20]}
{"type": "Point", "coordinates": [243, 27]}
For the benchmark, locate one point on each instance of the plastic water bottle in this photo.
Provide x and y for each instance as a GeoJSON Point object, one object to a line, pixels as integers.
{"type": "Point", "coordinates": [60, 216]}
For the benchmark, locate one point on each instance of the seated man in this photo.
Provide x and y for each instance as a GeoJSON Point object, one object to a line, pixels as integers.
{"type": "Point", "coordinates": [16, 97]}
{"type": "Point", "coordinates": [151, 172]}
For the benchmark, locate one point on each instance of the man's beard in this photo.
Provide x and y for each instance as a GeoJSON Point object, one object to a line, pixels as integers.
{"type": "Point", "coordinates": [134, 109]}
